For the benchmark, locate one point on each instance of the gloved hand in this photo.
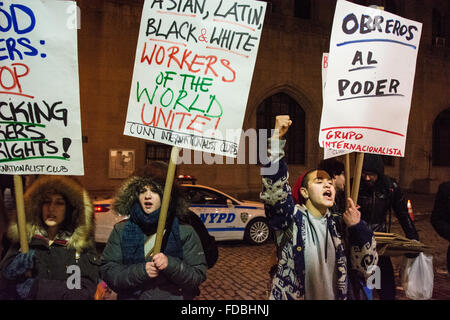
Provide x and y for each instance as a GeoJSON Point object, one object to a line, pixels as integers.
{"type": "Point", "coordinates": [20, 264]}
{"type": "Point", "coordinates": [23, 288]}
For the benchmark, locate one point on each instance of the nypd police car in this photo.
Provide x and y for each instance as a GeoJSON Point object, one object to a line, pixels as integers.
{"type": "Point", "coordinates": [225, 217]}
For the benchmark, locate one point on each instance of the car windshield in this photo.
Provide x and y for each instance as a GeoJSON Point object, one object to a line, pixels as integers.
{"type": "Point", "coordinates": [204, 196]}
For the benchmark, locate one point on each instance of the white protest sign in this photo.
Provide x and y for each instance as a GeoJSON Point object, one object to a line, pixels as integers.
{"type": "Point", "coordinates": [370, 79]}
{"type": "Point", "coordinates": [327, 152]}
{"type": "Point", "coordinates": [40, 125]}
{"type": "Point", "coordinates": [332, 153]}
{"type": "Point", "coordinates": [192, 73]}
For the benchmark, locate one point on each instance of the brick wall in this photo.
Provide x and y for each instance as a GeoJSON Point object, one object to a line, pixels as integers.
{"type": "Point", "coordinates": [288, 60]}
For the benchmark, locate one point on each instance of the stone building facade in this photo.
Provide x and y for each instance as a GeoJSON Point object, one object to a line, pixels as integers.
{"type": "Point", "coordinates": [287, 78]}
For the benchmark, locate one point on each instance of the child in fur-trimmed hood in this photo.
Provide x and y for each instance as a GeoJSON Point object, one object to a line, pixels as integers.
{"type": "Point", "coordinates": [174, 273]}
{"type": "Point", "coordinates": [62, 261]}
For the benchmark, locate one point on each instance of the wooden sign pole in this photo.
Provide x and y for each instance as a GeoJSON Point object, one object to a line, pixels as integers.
{"type": "Point", "coordinates": [357, 176]}
{"type": "Point", "coordinates": [166, 200]}
{"type": "Point", "coordinates": [347, 178]}
{"type": "Point", "coordinates": [21, 219]}
{"type": "Point", "coordinates": [359, 161]}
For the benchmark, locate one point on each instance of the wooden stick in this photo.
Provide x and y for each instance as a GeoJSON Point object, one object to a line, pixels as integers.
{"type": "Point", "coordinates": [166, 200]}
{"type": "Point", "coordinates": [347, 178]}
{"type": "Point", "coordinates": [21, 219]}
{"type": "Point", "coordinates": [357, 176]}
{"type": "Point", "coordinates": [383, 233]}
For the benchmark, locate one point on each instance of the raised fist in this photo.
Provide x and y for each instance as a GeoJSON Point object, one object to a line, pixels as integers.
{"type": "Point", "coordinates": [282, 124]}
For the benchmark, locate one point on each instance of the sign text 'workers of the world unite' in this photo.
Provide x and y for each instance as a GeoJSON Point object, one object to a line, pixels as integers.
{"type": "Point", "coordinates": [192, 74]}
{"type": "Point", "coordinates": [40, 127]}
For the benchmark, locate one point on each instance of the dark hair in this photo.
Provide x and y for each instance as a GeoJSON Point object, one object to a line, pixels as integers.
{"type": "Point", "coordinates": [332, 166]}
{"type": "Point", "coordinates": [306, 177]}
{"type": "Point", "coordinates": [154, 174]}
{"type": "Point", "coordinates": [68, 224]}
{"type": "Point", "coordinates": [157, 170]}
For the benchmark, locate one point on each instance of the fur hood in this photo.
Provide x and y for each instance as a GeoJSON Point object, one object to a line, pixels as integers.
{"type": "Point", "coordinates": [80, 213]}
{"type": "Point", "coordinates": [128, 194]}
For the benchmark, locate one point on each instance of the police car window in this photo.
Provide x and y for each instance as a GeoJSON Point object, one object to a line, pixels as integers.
{"type": "Point", "coordinates": [202, 196]}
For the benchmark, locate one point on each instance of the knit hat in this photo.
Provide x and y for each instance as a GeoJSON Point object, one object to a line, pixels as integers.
{"type": "Point", "coordinates": [373, 163]}
{"type": "Point", "coordinates": [296, 194]}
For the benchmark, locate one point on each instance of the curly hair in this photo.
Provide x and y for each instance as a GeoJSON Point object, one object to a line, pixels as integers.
{"type": "Point", "coordinates": [152, 175]}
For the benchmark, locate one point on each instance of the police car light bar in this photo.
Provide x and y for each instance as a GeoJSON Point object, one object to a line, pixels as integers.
{"type": "Point", "coordinates": [186, 178]}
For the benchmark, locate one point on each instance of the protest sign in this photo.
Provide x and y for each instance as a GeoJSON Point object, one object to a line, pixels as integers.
{"type": "Point", "coordinates": [40, 126]}
{"type": "Point", "coordinates": [327, 152]}
{"type": "Point", "coordinates": [192, 74]}
{"type": "Point", "coordinates": [370, 79]}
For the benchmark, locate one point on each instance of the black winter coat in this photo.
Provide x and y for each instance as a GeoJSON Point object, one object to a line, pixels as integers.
{"type": "Point", "coordinates": [376, 203]}
{"type": "Point", "coordinates": [180, 280]}
{"type": "Point", "coordinates": [55, 271]}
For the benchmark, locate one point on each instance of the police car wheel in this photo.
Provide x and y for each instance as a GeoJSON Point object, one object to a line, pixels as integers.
{"type": "Point", "coordinates": [257, 231]}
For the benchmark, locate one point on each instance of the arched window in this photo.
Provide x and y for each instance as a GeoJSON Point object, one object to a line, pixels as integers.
{"type": "Point", "coordinates": [157, 152]}
{"type": "Point", "coordinates": [283, 104]}
{"type": "Point", "coordinates": [441, 139]}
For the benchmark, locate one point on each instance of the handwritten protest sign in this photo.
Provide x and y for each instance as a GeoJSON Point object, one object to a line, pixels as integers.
{"type": "Point", "coordinates": [40, 126]}
{"type": "Point", "coordinates": [192, 73]}
{"type": "Point", "coordinates": [327, 152]}
{"type": "Point", "coordinates": [369, 82]}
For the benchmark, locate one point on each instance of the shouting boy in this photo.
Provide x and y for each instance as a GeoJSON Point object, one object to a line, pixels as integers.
{"type": "Point", "coordinates": [312, 263]}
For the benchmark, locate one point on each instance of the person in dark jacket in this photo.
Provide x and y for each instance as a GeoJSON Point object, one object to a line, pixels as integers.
{"type": "Point", "coordinates": [62, 261]}
{"type": "Point", "coordinates": [440, 217]}
{"type": "Point", "coordinates": [378, 194]}
{"type": "Point", "coordinates": [173, 274]}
